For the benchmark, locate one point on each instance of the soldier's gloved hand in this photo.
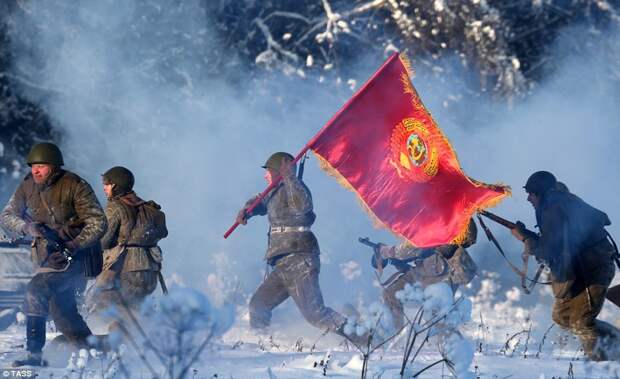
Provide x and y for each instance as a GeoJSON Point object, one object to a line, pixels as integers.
{"type": "Point", "coordinates": [242, 217]}
{"type": "Point", "coordinates": [57, 260]}
{"type": "Point", "coordinates": [375, 264]}
{"type": "Point", "coordinates": [387, 251]}
{"type": "Point", "coordinates": [34, 229]}
{"type": "Point", "coordinates": [519, 231]}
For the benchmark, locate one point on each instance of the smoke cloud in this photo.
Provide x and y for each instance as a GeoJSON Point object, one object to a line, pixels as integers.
{"type": "Point", "coordinates": [123, 85]}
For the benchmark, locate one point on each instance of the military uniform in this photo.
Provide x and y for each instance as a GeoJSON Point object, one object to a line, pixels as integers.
{"type": "Point", "coordinates": [132, 259]}
{"type": "Point", "coordinates": [293, 253]}
{"type": "Point", "coordinates": [66, 204]}
{"type": "Point", "coordinates": [447, 263]}
{"type": "Point", "coordinates": [573, 243]}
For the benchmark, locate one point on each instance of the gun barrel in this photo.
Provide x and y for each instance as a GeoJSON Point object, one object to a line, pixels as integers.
{"type": "Point", "coordinates": [498, 219]}
{"type": "Point", "coordinates": [368, 242]}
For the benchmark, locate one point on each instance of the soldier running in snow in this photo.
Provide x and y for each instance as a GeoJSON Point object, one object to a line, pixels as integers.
{"type": "Point", "coordinates": [132, 259]}
{"type": "Point", "coordinates": [60, 211]}
{"type": "Point", "coordinates": [292, 252]}
{"type": "Point", "coordinates": [574, 244]}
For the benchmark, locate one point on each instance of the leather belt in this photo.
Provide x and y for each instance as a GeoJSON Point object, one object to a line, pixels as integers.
{"type": "Point", "coordinates": [288, 229]}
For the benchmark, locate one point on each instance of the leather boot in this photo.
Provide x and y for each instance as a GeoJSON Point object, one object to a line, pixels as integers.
{"type": "Point", "coordinates": [35, 339]}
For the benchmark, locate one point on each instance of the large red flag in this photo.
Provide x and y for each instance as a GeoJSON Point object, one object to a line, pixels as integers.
{"type": "Point", "coordinates": [385, 146]}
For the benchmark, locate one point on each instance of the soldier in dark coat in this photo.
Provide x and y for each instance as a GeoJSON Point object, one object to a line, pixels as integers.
{"type": "Point", "coordinates": [447, 263]}
{"type": "Point", "coordinates": [53, 199]}
{"type": "Point", "coordinates": [292, 252]}
{"type": "Point", "coordinates": [574, 244]}
{"type": "Point", "coordinates": [131, 258]}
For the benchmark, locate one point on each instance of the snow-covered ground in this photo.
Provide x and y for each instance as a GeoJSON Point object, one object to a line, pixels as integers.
{"type": "Point", "coordinates": [296, 350]}
{"type": "Point", "coordinates": [240, 355]}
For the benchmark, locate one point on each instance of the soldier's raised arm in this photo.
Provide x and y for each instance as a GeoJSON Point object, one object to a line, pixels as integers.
{"type": "Point", "coordinates": [90, 213]}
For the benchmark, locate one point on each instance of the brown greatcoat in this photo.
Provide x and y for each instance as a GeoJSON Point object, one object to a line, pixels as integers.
{"type": "Point", "coordinates": [65, 203]}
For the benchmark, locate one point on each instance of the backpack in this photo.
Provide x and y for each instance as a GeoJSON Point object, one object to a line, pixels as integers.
{"type": "Point", "coordinates": [150, 223]}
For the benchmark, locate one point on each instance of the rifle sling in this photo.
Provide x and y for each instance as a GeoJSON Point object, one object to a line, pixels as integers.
{"type": "Point", "coordinates": [616, 254]}
{"type": "Point", "coordinates": [514, 268]}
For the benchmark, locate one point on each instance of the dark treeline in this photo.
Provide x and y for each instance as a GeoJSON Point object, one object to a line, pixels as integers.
{"type": "Point", "coordinates": [505, 47]}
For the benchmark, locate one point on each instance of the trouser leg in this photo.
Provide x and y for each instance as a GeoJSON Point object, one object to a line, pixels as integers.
{"type": "Point", "coordinates": [35, 340]}
{"type": "Point", "coordinates": [268, 295]}
{"type": "Point", "coordinates": [35, 333]}
{"type": "Point", "coordinates": [302, 281]}
{"type": "Point", "coordinates": [578, 315]}
{"type": "Point", "coordinates": [64, 312]}
{"type": "Point", "coordinates": [394, 304]}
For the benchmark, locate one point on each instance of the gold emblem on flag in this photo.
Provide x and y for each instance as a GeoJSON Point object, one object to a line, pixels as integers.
{"type": "Point", "coordinates": [413, 154]}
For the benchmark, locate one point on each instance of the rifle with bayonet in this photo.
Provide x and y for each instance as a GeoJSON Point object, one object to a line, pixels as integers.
{"type": "Point", "coordinates": [526, 255]}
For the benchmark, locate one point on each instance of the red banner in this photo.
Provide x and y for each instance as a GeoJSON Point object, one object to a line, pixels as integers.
{"type": "Point", "coordinates": [385, 146]}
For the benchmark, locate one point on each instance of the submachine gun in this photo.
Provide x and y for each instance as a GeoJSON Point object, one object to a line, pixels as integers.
{"type": "Point", "coordinates": [54, 242]}
{"type": "Point", "coordinates": [378, 262]}
{"type": "Point", "coordinates": [528, 234]}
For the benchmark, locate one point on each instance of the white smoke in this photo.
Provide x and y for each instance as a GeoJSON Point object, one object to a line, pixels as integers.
{"type": "Point", "coordinates": [125, 88]}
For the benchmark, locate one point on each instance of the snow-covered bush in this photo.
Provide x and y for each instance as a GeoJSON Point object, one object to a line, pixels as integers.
{"type": "Point", "coordinates": [178, 327]}
{"type": "Point", "coordinates": [375, 320]}
{"type": "Point", "coordinates": [439, 315]}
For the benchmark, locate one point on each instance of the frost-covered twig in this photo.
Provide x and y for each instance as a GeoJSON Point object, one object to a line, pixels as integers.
{"type": "Point", "coordinates": [144, 335]}
{"type": "Point", "coordinates": [197, 353]}
{"type": "Point", "coordinates": [317, 340]}
{"type": "Point", "coordinates": [504, 350]}
{"type": "Point", "coordinates": [527, 340]}
{"type": "Point", "coordinates": [571, 374]}
{"type": "Point", "coordinates": [136, 347]}
{"type": "Point", "coordinates": [411, 339]}
{"type": "Point", "coordinates": [542, 342]}
{"type": "Point", "coordinates": [272, 44]}
{"type": "Point", "coordinates": [124, 370]}
{"type": "Point", "coordinates": [428, 367]}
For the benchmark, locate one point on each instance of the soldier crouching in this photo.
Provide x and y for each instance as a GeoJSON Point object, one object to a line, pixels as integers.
{"type": "Point", "coordinates": [447, 263]}
{"type": "Point", "coordinates": [574, 244]}
{"type": "Point", "coordinates": [61, 212]}
{"type": "Point", "coordinates": [132, 259]}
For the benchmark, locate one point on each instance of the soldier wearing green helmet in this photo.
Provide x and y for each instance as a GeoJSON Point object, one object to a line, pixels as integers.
{"type": "Point", "coordinates": [131, 258]}
{"type": "Point", "coordinates": [575, 246]}
{"type": "Point", "coordinates": [53, 200]}
{"type": "Point", "coordinates": [292, 251]}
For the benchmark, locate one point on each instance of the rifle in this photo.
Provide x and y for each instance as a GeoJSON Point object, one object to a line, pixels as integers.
{"type": "Point", "coordinates": [379, 262]}
{"type": "Point", "coordinates": [527, 233]}
{"type": "Point", "coordinates": [302, 165]}
{"type": "Point", "coordinates": [510, 225]}
{"type": "Point", "coordinates": [54, 242]}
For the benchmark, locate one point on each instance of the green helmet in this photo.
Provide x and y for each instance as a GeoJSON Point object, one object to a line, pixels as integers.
{"type": "Point", "coordinates": [276, 160]}
{"type": "Point", "coordinates": [121, 177]}
{"type": "Point", "coordinates": [45, 152]}
{"type": "Point", "coordinates": [540, 182]}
